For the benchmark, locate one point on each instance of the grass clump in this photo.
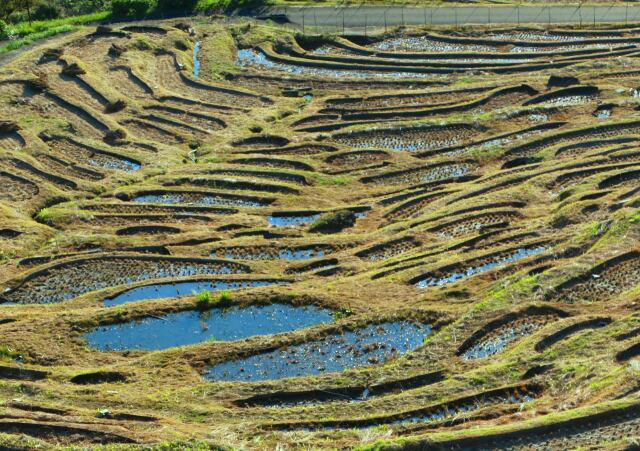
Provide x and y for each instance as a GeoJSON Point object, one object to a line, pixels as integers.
{"type": "Point", "coordinates": [22, 29]}
{"type": "Point", "coordinates": [341, 313]}
{"type": "Point", "coordinates": [17, 43]}
{"type": "Point", "coordinates": [141, 44]}
{"type": "Point", "coordinates": [7, 353]}
{"type": "Point", "coordinates": [205, 299]}
{"type": "Point", "coordinates": [333, 222]}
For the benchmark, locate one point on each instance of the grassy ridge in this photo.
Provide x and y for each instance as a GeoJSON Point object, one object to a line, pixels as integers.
{"type": "Point", "coordinates": [17, 43]}
{"type": "Point", "coordinates": [24, 29]}
{"type": "Point", "coordinates": [27, 33]}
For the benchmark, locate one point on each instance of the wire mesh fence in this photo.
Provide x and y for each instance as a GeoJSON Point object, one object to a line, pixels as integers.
{"type": "Point", "coordinates": [362, 18]}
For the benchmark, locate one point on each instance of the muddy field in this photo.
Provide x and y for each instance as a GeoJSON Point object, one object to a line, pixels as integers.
{"type": "Point", "coordinates": [224, 235]}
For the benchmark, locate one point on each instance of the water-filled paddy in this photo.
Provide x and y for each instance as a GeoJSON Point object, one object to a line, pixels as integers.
{"type": "Point", "coordinates": [289, 221]}
{"type": "Point", "coordinates": [370, 345]}
{"type": "Point", "coordinates": [280, 254]}
{"type": "Point", "coordinates": [198, 199]}
{"type": "Point", "coordinates": [453, 277]}
{"type": "Point", "coordinates": [252, 58]}
{"type": "Point", "coordinates": [185, 288]}
{"type": "Point", "coordinates": [184, 328]}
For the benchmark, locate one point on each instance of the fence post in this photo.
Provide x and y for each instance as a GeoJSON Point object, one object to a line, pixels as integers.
{"type": "Point", "coordinates": [489, 8]}
{"type": "Point", "coordinates": [594, 16]}
{"type": "Point", "coordinates": [303, 27]}
{"type": "Point", "coordinates": [342, 20]}
{"type": "Point", "coordinates": [580, 13]}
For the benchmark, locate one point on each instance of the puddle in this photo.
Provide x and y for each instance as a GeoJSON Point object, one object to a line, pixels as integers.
{"type": "Point", "coordinates": [569, 100]}
{"type": "Point", "coordinates": [196, 61]}
{"type": "Point", "coordinates": [565, 48]}
{"type": "Point", "coordinates": [289, 221]}
{"type": "Point", "coordinates": [185, 288]}
{"type": "Point", "coordinates": [452, 411]}
{"type": "Point", "coordinates": [252, 58]}
{"type": "Point", "coordinates": [453, 277]}
{"type": "Point", "coordinates": [277, 254]}
{"type": "Point", "coordinates": [184, 328]}
{"type": "Point", "coordinates": [499, 342]}
{"type": "Point", "coordinates": [409, 138]}
{"type": "Point", "coordinates": [370, 345]}
{"type": "Point", "coordinates": [423, 43]}
{"type": "Point", "coordinates": [198, 199]}
{"type": "Point", "coordinates": [537, 117]}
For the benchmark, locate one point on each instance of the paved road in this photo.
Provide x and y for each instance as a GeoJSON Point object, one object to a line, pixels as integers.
{"type": "Point", "coordinates": [330, 18]}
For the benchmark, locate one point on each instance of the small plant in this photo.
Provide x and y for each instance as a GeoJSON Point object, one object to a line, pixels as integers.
{"type": "Point", "coordinates": [225, 296]}
{"type": "Point", "coordinates": [141, 44]}
{"type": "Point", "coordinates": [203, 300]}
{"type": "Point", "coordinates": [4, 30]}
{"type": "Point", "coordinates": [119, 314]}
{"type": "Point", "coordinates": [44, 216]}
{"type": "Point", "coordinates": [7, 353]}
{"type": "Point", "coordinates": [341, 313]}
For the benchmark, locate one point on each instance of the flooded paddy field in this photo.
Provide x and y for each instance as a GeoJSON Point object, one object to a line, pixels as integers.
{"type": "Point", "coordinates": [224, 234]}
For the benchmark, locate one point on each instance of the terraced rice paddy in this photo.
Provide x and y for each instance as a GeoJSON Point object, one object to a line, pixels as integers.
{"type": "Point", "coordinates": [241, 237]}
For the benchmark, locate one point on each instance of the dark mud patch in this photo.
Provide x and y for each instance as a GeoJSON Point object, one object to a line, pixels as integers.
{"type": "Point", "coordinates": [340, 393]}
{"type": "Point", "coordinates": [99, 377]}
{"type": "Point", "coordinates": [566, 332]}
